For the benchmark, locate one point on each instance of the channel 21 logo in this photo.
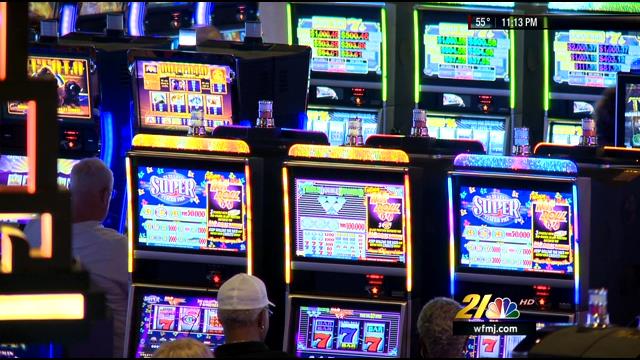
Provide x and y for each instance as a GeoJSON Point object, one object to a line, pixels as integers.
{"type": "Point", "coordinates": [500, 308]}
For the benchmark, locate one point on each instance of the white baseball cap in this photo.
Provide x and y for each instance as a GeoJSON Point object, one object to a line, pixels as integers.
{"type": "Point", "coordinates": [243, 292]}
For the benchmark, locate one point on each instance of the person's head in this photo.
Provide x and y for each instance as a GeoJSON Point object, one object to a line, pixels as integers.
{"type": "Point", "coordinates": [243, 309]}
{"type": "Point", "coordinates": [605, 116]}
{"type": "Point", "coordinates": [183, 348]}
{"type": "Point", "coordinates": [91, 185]}
{"type": "Point", "coordinates": [435, 327]}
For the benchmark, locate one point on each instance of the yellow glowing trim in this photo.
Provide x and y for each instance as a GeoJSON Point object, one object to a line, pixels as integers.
{"type": "Point", "coordinates": [41, 307]}
{"type": "Point", "coordinates": [6, 248]}
{"type": "Point", "coordinates": [46, 234]}
{"type": "Point", "coordinates": [32, 143]}
{"type": "Point", "coordinates": [409, 239]}
{"type": "Point", "coordinates": [169, 142]}
{"type": "Point", "coordinates": [348, 153]}
{"type": "Point", "coordinates": [247, 174]}
{"type": "Point", "coordinates": [287, 230]}
{"type": "Point", "coordinates": [621, 149]}
{"type": "Point", "coordinates": [538, 145]}
{"type": "Point", "coordinates": [127, 164]}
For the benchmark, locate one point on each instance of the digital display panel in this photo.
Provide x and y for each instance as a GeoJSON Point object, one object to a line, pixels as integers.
{"type": "Point", "coordinates": [192, 209]}
{"type": "Point", "coordinates": [452, 51]}
{"type": "Point", "coordinates": [589, 58]}
{"type": "Point", "coordinates": [492, 346]}
{"type": "Point", "coordinates": [164, 317]}
{"type": "Point", "coordinates": [42, 10]}
{"type": "Point", "coordinates": [516, 229]}
{"type": "Point", "coordinates": [348, 45]}
{"type": "Point", "coordinates": [350, 221]}
{"type": "Point", "coordinates": [102, 7]}
{"type": "Point", "coordinates": [632, 115]}
{"type": "Point", "coordinates": [340, 331]}
{"type": "Point", "coordinates": [73, 87]}
{"type": "Point", "coordinates": [14, 170]}
{"type": "Point", "coordinates": [491, 133]}
{"type": "Point", "coordinates": [168, 92]}
{"type": "Point", "coordinates": [335, 123]}
{"type": "Point", "coordinates": [565, 134]}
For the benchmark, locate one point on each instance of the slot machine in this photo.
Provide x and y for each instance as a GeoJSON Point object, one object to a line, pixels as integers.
{"type": "Point", "coordinates": [580, 63]}
{"type": "Point", "coordinates": [465, 78]}
{"type": "Point", "coordinates": [88, 17]}
{"type": "Point", "coordinates": [348, 251]}
{"type": "Point", "coordinates": [519, 230]}
{"type": "Point", "coordinates": [349, 66]}
{"type": "Point", "coordinates": [627, 125]}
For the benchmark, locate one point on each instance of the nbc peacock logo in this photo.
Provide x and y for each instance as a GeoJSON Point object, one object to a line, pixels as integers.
{"type": "Point", "coordinates": [502, 309]}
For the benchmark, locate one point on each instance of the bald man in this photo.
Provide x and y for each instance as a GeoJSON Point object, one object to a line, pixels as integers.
{"type": "Point", "coordinates": [101, 251]}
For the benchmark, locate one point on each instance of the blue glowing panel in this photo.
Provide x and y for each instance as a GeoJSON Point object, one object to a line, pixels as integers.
{"type": "Point", "coordinates": [515, 163]}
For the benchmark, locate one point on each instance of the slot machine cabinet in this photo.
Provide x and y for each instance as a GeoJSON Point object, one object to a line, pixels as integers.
{"type": "Point", "coordinates": [195, 220]}
{"type": "Point", "coordinates": [332, 198]}
{"type": "Point", "coordinates": [499, 211]}
{"type": "Point", "coordinates": [470, 96]}
{"type": "Point", "coordinates": [580, 63]}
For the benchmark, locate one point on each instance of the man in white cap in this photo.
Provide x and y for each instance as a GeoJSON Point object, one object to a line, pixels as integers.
{"type": "Point", "coordinates": [243, 310]}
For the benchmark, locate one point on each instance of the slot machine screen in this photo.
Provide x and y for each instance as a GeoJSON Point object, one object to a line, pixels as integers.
{"type": "Point", "coordinates": [591, 59]}
{"type": "Point", "coordinates": [101, 7]}
{"type": "Point", "coordinates": [566, 134]}
{"type": "Point", "coordinates": [492, 346]}
{"type": "Point", "coordinates": [335, 328]}
{"type": "Point", "coordinates": [335, 123]}
{"type": "Point", "coordinates": [73, 85]}
{"type": "Point", "coordinates": [527, 230]}
{"type": "Point", "coordinates": [451, 53]}
{"type": "Point", "coordinates": [14, 170]}
{"type": "Point", "coordinates": [169, 92]}
{"type": "Point", "coordinates": [490, 132]}
{"type": "Point", "coordinates": [162, 315]}
{"type": "Point", "coordinates": [349, 221]}
{"type": "Point", "coordinates": [191, 207]}
{"type": "Point", "coordinates": [42, 10]}
{"type": "Point", "coordinates": [629, 92]}
{"type": "Point", "coordinates": [346, 41]}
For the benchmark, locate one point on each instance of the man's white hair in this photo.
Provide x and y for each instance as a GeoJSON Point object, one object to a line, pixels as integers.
{"type": "Point", "coordinates": [231, 318]}
{"type": "Point", "coordinates": [90, 175]}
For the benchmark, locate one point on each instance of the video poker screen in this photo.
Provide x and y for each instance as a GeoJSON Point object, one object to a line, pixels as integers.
{"type": "Point", "coordinates": [168, 92]}
{"type": "Point", "coordinates": [346, 41]}
{"type": "Point", "coordinates": [526, 230]}
{"type": "Point", "coordinates": [453, 53]}
{"type": "Point", "coordinates": [191, 209]}
{"type": "Point", "coordinates": [632, 114]}
{"type": "Point", "coordinates": [592, 59]}
{"type": "Point", "coordinates": [73, 85]}
{"type": "Point", "coordinates": [350, 221]}
{"type": "Point", "coordinates": [14, 170]}
{"type": "Point", "coordinates": [161, 315]}
{"type": "Point", "coordinates": [335, 329]}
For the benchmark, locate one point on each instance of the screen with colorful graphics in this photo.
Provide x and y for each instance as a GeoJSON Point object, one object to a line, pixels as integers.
{"type": "Point", "coordinates": [632, 115]}
{"type": "Point", "coordinates": [169, 92]}
{"type": "Point", "coordinates": [490, 132]}
{"type": "Point", "coordinates": [163, 317]}
{"type": "Point", "coordinates": [343, 331]}
{"type": "Point", "coordinates": [350, 221]}
{"type": "Point", "coordinates": [73, 86]}
{"type": "Point", "coordinates": [593, 58]}
{"type": "Point", "coordinates": [14, 170]}
{"type": "Point", "coordinates": [516, 229]}
{"type": "Point", "coordinates": [348, 45]}
{"type": "Point", "coordinates": [100, 7]}
{"type": "Point", "coordinates": [335, 123]}
{"type": "Point", "coordinates": [452, 51]}
{"type": "Point", "coordinates": [191, 209]}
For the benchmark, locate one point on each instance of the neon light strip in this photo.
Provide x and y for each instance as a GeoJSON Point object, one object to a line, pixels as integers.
{"type": "Point", "coordinates": [621, 149]}
{"type": "Point", "coordinates": [42, 307]}
{"type": "Point", "coordinates": [203, 9]}
{"type": "Point", "coordinates": [32, 143]}
{"type": "Point", "coordinates": [409, 238]}
{"type": "Point", "coordinates": [545, 87]}
{"type": "Point", "coordinates": [539, 145]}
{"type": "Point", "coordinates": [129, 200]}
{"type": "Point", "coordinates": [168, 142]}
{"type": "Point", "coordinates": [289, 26]}
{"type": "Point", "coordinates": [107, 137]}
{"type": "Point", "coordinates": [416, 58]}
{"type": "Point", "coordinates": [287, 229]}
{"type": "Point", "coordinates": [452, 252]}
{"type": "Point", "coordinates": [383, 13]}
{"type": "Point", "coordinates": [247, 174]}
{"type": "Point", "coordinates": [348, 153]}
{"type": "Point", "coordinates": [68, 19]}
{"type": "Point", "coordinates": [136, 18]}
{"type": "Point", "coordinates": [6, 248]}
{"type": "Point", "coordinates": [515, 163]}
{"type": "Point", "coordinates": [576, 238]}
{"type": "Point", "coordinates": [46, 234]}
{"type": "Point", "coordinates": [512, 65]}
{"type": "Point", "coordinates": [3, 41]}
